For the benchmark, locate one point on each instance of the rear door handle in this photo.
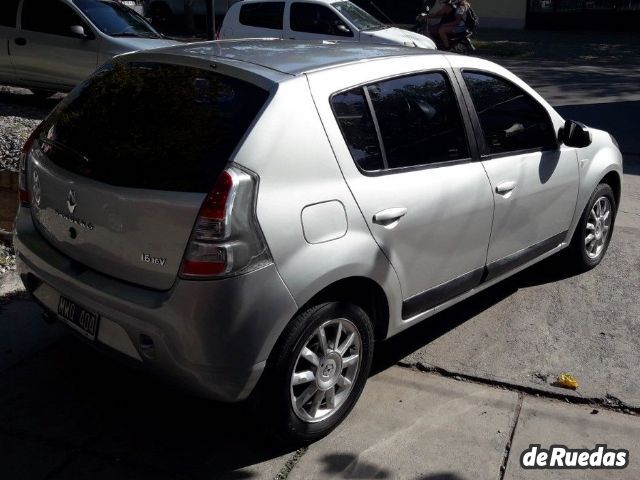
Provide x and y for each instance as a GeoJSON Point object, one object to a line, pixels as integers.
{"type": "Point", "coordinates": [505, 187]}
{"type": "Point", "coordinates": [21, 41]}
{"type": "Point", "coordinates": [389, 216]}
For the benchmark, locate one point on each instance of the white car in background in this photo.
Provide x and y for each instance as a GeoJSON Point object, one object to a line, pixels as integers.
{"type": "Point", "coordinates": [313, 20]}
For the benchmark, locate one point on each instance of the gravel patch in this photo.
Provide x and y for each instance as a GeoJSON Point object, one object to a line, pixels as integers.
{"type": "Point", "coordinates": [7, 259]}
{"type": "Point", "coordinates": [20, 114]}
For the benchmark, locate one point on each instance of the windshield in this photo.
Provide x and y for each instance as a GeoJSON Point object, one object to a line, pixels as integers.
{"type": "Point", "coordinates": [357, 16]}
{"type": "Point", "coordinates": [115, 19]}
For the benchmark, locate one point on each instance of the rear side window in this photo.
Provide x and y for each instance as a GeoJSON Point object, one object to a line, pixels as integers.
{"type": "Point", "coordinates": [354, 118]}
{"type": "Point", "coordinates": [152, 126]}
{"type": "Point", "coordinates": [511, 119]}
{"type": "Point", "coordinates": [262, 15]}
{"type": "Point", "coordinates": [415, 121]}
{"type": "Point", "coordinates": [318, 19]}
{"type": "Point", "coordinates": [49, 16]}
{"type": "Point", "coordinates": [8, 13]}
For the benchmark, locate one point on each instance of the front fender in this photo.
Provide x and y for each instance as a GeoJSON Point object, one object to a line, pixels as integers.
{"type": "Point", "coordinates": [594, 163]}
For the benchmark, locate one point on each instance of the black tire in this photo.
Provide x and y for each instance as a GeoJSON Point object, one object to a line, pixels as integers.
{"type": "Point", "coordinates": [273, 400]}
{"type": "Point", "coordinates": [462, 48]}
{"type": "Point", "coordinates": [577, 250]}
{"type": "Point", "coordinates": [42, 94]}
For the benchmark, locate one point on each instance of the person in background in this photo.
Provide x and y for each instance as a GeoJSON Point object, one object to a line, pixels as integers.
{"type": "Point", "coordinates": [452, 16]}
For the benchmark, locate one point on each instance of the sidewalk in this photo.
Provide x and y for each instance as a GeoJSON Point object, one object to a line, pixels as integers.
{"type": "Point", "coordinates": [415, 425]}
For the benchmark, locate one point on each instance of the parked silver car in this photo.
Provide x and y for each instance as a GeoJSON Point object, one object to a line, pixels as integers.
{"type": "Point", "coordinates": [52, 45]}
{"type": "Point", "coordinates": [270, 209]}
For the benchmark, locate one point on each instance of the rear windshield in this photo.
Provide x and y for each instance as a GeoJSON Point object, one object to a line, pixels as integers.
{"type": "Point", "coordinates": [153, 126]}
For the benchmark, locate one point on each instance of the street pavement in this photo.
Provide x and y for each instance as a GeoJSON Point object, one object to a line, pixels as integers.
{"type": "Point", "coordinates": [474, 390]}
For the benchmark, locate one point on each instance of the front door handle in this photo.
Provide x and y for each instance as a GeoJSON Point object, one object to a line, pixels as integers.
{"type": "Point", "coordinates": [505, 187]}
{"type": "Point", "coordinates": [21, 41]}
{"type": "Point", "coordinates": [390, 216]}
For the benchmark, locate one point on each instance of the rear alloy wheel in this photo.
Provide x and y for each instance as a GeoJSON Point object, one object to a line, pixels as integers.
{"type": "Point", "coordinates": [326, 369]}
{"type": "Point", "coordinates": [317, 371]}
{"type": "Point", "coordinates": [593, 233]}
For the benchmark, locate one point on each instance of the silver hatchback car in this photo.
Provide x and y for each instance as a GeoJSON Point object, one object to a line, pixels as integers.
{"type": "Point", "coordinates": [270, 209]}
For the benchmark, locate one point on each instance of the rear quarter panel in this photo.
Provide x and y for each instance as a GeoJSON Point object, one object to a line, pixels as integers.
{"type": "Point", "coordinates": [289, 150]}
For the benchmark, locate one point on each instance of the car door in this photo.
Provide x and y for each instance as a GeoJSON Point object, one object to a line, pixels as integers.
{"type": "Point", "coordinates": [8, 23]}
{"type": "Point", "coordinates": [45, 52]}
{"type": "Point", "coordinates": [402, 145]}
{"type": "Point", "coordinates": [312, 21]}
{"type": "Point", "coordinates": [534, 179]}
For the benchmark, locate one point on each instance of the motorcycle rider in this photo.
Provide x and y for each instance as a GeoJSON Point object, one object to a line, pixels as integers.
{"type": "Point", "coordinates": [452, 14]}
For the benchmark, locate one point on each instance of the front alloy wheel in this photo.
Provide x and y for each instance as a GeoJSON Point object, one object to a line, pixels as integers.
{"type": "Point", "coordinates": [593, 233]}
{"type": "Point", "coordinates": [598, 227]}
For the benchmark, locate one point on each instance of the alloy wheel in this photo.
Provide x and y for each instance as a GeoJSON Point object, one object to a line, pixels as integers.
{"type": "Point", "coordinates": [598, 227]}
{"type": "Point", "coordinates": [325, 370]}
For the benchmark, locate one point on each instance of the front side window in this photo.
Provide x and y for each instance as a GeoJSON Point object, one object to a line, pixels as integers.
{"type": "Point", "coordinates": [318, 19]}
{"type": "Point", "coordinates": [511, 119]}
{"type": "Point", "coordinates": [415, 121]}
{"type": "Point", "coordinates": [8, 12]}
{"type": "Point", "coordinates": [115, 19]}
{"type": "Point", "coordinates": [262, 15]}
{"type": "Point", "coordinates": [52, 17]}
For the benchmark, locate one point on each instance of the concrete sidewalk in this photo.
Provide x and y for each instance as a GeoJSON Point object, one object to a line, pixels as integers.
{"type": "Point", "coordinates": [415, 425]}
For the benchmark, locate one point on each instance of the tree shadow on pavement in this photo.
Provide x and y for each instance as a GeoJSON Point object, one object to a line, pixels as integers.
{"type": "Point", "coordinates": [72, 399]}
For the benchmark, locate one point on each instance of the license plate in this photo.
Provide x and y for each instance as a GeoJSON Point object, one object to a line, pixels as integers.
{"type": "Point", "coordinates": [77, 317]}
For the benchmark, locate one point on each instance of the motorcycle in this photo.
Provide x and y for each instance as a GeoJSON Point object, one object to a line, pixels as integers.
{"type": "Point", "coordinates": [458, 42]}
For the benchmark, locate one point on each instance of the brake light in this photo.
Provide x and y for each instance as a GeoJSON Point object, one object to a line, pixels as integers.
{"type": "Point", "coordinates": [226, 239]}
{"type": "Point", "coordinates": [23, 190]}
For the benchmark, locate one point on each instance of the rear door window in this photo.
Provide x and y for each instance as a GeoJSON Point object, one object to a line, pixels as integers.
{"type": "Point", "coordinates": [262, 15]}
{"type": "Point", "coordinates": [415, 121]}
{"type": "Point", "coordinates": [152, 126]}
{"type": "Point", "coordinates": [8, 13]}
{"type": "Point", "coordinates": [50, 16]}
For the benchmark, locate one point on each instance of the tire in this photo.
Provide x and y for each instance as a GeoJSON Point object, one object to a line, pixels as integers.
{"type": "Point", "coordinates": [42, 94]}
{"type": "Point", "coordinates": [585, 254]}
{"type": "Point", "coordinates": [282, 405]}
{"type": "Point", "coordinates": [462, 48]}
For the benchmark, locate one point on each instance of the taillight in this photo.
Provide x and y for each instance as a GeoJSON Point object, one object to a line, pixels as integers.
{"type": "Point", "coordinates": [23, 190]}
{"type": "Point", "coordinates": [226, 239]}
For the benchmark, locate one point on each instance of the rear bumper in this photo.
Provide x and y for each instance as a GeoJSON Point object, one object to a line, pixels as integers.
{"type": "Point", "coordinates": [213, 337]}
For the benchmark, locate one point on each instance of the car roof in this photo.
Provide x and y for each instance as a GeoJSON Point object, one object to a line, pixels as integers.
{"type": "Point", "coordinates": [291, 57]}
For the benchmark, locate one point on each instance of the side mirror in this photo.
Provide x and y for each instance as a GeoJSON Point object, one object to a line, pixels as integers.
{"type": "Point", "coordinates": [575, 134]}
{"type": "Point", "coordinates": [78, 31]}
{"type": "Point", "coordinates": [342, 29]}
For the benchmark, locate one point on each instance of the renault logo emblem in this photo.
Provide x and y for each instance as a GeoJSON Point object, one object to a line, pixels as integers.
{"type": "Point", "coordinates": [72, 202]}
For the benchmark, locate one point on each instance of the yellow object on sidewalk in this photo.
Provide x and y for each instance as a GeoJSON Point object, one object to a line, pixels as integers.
{"type": "Point", "coordinates": [566, 380]}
